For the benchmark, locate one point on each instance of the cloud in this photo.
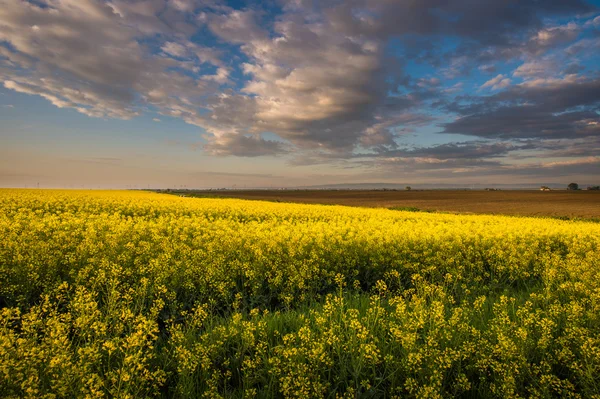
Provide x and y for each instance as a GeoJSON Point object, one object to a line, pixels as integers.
{"type": "Point", "coordinates": [551, 37]}
{"type": "Point", "coordinates": [221, 76]}
{"type": "Point", "coordinates": [85, 55]}
{"type": "Point", "coordinates": [488, 68]}
{"type": "Point", "coordinates": [88, 102]}
{"type": "Point", "coordinates": [318, 78]}
{"type": "Point", "coordinates": [477, 169]}
{"type": "Point", "coordinates": [573, 69]}
{"type": "Point", "coordinates": [584, 147]}
{"type": "Point", "coordinates": [573, 162]}
{"type": "Point", "coordinates": [188, 50]}
{"type": "Point", "coordinates": [245, 146]}
{"type": "Point", "coordinates": [184, 5]}
{"type": "Point", "coordinates": [462, 150]}
{"type": "Point", "coordinates": [237, 26]}
{"type": "Point", "coordinates": [175, 49]}
{"type": "Point", "coordinates": [381, 135]}
{"type": "Point", "coordinates": [540, 108]}
{"type": "Point", "coordinates": [553, 169]}
{"type": "Point", "coordinates": [497, 83]}
{"type": "Point", "coordinates": [536, 68]}
{"type": "Point", "coordinates": [319, 75]}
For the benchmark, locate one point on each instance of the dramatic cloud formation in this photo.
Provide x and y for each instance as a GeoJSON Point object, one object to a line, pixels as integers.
{"type": "Point", "coordinates": [425, 87]}
{"type": "Point", "coordinates": [539, 108]}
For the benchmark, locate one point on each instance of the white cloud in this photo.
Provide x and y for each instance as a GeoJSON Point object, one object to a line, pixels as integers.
{"type": "Point", "coordinates": [536, 68]}
{"type": "Point", "coordinates": [237, 26]}
{"type": "Point", "coordinates": [175, 49]}
{"type": "Point", "coordinates": [553, 82]}
{"type": "Point", "coordinates": [221, 76]}
{"type": "Point", "coordinates": [572, 162]}
{"type": "Point", "coordinates": [208, 55]}
{"type": "Point", "coordinates": [86, 55]}
{"type": "Point", "coordinates": [488, 68]}
{"type": "Point", "coordinates": [454, 88]}
{"type": "Point", "coordinates": [85, 102]}
{"type": "Point", "coordinates": [550, 37]}
{"type": "Point", "coordinates": [595, 22]}
{"type": "Point", "coordinates": [497, 83]}
{"type": "Point", "coordinates": [183, 5]}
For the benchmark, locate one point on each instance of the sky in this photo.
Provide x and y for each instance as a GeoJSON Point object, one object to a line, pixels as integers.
{"type": "Point", "coordinates": [287, 93]}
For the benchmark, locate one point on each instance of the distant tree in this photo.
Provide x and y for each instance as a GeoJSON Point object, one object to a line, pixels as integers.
{"type": "Point", "coordinates": [573, 186]}
{"type": "Point", "coordinates": [408, 188]}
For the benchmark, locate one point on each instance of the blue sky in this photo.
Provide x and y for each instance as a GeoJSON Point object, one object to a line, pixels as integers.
{"type": "Point", "coordinates": [282, 93]}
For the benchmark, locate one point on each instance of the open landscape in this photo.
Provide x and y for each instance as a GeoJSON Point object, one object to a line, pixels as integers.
{"type": "Point", "coordinates": [309, 199]}
{"type": "Point", "coordinates": [566, 204]}
{"type": "Point", "coordinates": [138, 294]}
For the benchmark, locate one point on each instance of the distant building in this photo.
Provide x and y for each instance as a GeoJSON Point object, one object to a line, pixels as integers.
{"type": "Point", "coordinates": [545, 188]}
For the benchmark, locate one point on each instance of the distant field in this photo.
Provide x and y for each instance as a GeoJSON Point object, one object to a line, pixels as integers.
{"type": "Point", "coordinates": [579, 204]}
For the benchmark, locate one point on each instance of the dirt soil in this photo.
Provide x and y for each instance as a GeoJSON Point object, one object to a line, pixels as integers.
{"type": "Point", "coordinates": [569, 204]}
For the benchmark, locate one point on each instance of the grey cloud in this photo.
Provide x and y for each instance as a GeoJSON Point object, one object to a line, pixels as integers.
{"type": "Point", "coordinates": [550, 37]}
{"type": "Point", "coordinates": [543, 108]}
{"type": "Point", "coordinates": [581, 166]}
{"type": "Point", "coordinates": [473, 153]}
{"type": "Point", "coordinates": [244, 146]}
{"type": "Point", "coordinates": [320, 77]}
{"type": "Point", "coordinates": [310, 85]}
{"type": "Point", "coordinates": [527, 43]}
{"type": "Point", "coordinates": [568, 148]}
{"type": "Point", "coordinates": [463, 150]}
{"type": "Point", "coordinates": [237, 26]}
{"type": "Point", "coordinates": [439, 167]}
{"type": "Point", "coordinates": [86, 55]}
{"type": "Point", "coordinates": [586, 46]}
{"type": "Point", "coordinates": [81, 39]}
{"type": "Point", "coordinates": [478, 169]}
{"type": "Point", "coordinates": [573, 69]}
{"type": "Point", "coordinates": [485, 21]}
{"type": "Point", "coordinates": [525, 122]}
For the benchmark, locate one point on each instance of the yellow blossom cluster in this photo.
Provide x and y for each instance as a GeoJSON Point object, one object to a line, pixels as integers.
{"type": "Point", "coordinates": [139, 294]}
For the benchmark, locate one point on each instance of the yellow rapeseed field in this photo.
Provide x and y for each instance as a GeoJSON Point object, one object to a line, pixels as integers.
{"type": "Point", "coordinates": [135, 294]}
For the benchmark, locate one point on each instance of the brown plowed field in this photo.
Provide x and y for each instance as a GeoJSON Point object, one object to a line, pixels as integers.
{"type": "Point", "coordinates": [571, 204]}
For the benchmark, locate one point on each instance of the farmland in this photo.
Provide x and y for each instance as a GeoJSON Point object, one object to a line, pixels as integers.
{"type": "Point", "coordinates": [566, 204]}
{"type": "Point", "coordinates": [138, 294]}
